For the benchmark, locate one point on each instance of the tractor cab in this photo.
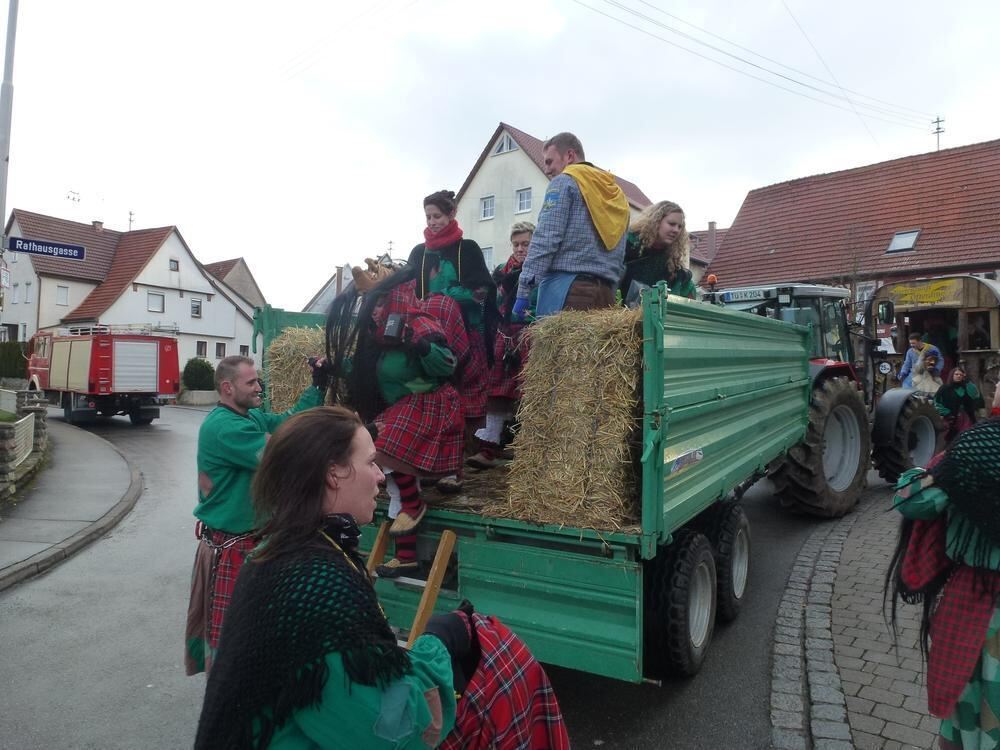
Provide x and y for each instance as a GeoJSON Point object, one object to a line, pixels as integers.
{"type": "Point", "coordinates": [821, 307]}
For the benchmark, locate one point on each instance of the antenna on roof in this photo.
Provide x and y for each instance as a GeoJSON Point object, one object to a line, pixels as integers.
{"type": "Point", "coordinates": [938, 130]}
{"type": "Point", "coordinates": [131, 219]}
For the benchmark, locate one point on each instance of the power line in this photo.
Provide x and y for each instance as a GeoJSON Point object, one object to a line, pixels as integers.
{"type": "Point", "coordinates": [735, 69]}
{"type": "Point", "coordinates": [865, 124]}
{"type": "Point", "coordinates": [921, 113]}
{"type": "Point", "coordinates": [743, 60]}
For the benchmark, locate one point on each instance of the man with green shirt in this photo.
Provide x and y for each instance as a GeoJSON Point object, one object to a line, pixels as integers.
{"type": "Point", "coordinates": [230, 443]}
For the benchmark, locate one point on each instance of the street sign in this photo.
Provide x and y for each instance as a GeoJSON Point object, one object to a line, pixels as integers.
{"type": "Point", "coordinates": [46, 247]}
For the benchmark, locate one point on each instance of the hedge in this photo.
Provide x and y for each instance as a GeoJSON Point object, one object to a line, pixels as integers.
{"type": "Point", "coordinates": [13, 362]}
{"type": "Point", "coordinates": [198, 375]}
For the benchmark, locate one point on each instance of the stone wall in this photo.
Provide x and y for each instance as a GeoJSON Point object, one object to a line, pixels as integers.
{"type": "Point", "coordinates": [15, 476]}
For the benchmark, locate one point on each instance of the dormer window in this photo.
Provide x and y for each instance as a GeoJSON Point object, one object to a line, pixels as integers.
{"type": "Point", "coordinates": [903, 241]}
{"type": "Point", "coordinates": [505, 144]}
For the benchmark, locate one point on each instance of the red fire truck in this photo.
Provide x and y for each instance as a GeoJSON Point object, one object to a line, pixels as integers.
{"type": "Point", "coordinates": [105, 370]}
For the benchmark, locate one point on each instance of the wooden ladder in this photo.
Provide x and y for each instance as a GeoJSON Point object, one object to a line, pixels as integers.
{"type": "Point", "coordinates": [431, 587]}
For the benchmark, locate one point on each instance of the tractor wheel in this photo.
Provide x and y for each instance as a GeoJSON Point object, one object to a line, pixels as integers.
{"type": "Point", "coordinates": [918, 437]}
{"type": "Point", "coordinates": [825, 473]}
{"type": "Point", "coordinates": [728, 529]}
{"type": "Point", "coordinates": [680, 606]}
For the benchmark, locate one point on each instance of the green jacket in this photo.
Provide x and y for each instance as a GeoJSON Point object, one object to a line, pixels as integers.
{"type": "Point", "coordinates": [229, 448]}
{"type": "Point", "coordinates": [365, 716]}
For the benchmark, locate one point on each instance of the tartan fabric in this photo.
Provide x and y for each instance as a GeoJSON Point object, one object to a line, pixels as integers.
{"type": "Point", "coordinates": [925, 558]}
{"type": "Point", "coordinates": [424, 430]}
{"type": "Point", "coordinates": [509, 703]}
{"type": "Point", "coordinates": [505, 379]}
{"type": "Point", "coordinates": [447, 313]}
{"type": "Point", "coordinates": [475, 378]}
{"type": "Point", "coordinates": [228, 562]}
{"type": "Point", "coordinates": [958, 629]}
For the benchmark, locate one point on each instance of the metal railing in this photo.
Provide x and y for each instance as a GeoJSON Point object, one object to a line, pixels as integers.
{"type": "Point", "coordinates": [8, 401]}
{"type": "Point", "coordinates": [146, 329]}
{"type": "Point", "coordinates": [24, 438]}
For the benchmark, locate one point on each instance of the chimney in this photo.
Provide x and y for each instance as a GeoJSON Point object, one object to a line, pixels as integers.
{"type": "Point", "coordinates": [340, 279]}
{"type": "Point", "coordinates": [98, 226]}
{"type": "Point", "coordinates": [711, 240]}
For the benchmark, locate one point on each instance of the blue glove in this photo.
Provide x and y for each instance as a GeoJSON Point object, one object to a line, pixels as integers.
{"type": "Point", "coordinates": [520, 308]}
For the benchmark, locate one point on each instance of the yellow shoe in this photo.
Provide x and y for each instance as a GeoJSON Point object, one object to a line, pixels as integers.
{"type": "Point", "coordinates": [407, 524]}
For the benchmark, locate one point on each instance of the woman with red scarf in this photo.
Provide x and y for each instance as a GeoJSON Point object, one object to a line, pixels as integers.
{"type": "Point", "coordinates": [447, 263]}
{"type": "Point", "coordinates": [509, 351]}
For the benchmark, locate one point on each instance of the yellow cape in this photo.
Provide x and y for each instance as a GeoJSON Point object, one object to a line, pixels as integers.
{"type": "Point", "coordinates": [605, 201]}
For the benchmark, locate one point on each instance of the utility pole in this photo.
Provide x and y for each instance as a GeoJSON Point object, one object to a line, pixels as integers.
{"type": "Point", "coordinates": [6, 111]}
{"type": "Point", "coordinates": [938, 130]}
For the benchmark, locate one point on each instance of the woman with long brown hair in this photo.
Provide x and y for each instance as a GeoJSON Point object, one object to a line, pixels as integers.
{"type": "Point", "coordinates": [306, 657]}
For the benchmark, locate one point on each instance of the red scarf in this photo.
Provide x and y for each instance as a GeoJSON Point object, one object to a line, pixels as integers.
{"type": "Point", "coordinates": [451, 234]}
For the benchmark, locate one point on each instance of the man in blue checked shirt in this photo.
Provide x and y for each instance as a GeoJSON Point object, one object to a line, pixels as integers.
{"type": "Point", "coordinates": [577, 252]}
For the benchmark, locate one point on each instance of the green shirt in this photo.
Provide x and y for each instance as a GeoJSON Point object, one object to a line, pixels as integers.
{"type": "Point", "coordinates": [229, 448]}
{"type": "Point", "coordinates": [365, 716]}
{"type": "Point", "coordinates": [400, 373]}
{"type": "Point", "coordinates": [446, 282]}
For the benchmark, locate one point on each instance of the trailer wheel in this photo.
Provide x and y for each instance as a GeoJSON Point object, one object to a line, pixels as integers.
{"type": "Point", "coordinates": [681, 602]}
{"type": "Point", "coordinates": [825, 473]}
{"type": "Point", "coordinates": [729, 533]}
{"type": "Point", "coordinates": [917, 438]}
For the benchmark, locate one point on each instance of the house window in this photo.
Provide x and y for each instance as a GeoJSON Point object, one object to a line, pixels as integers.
{"type": "Point", "coordinates": [523, 200]}
{"type": "Point", "coordinates": [195, 308]}
{"type": "Point", "coordinates": [505, 144]}
{"type": "Point", "coordinates": [15, 294]}
{"type": "Point", "coordinates": [244, 350]}
{"type": "Point", "coordinates": [488, 256]}
{"type": "Point", "coordinates": [487, 208]}
{"type": "Point", "coordinates": [13, 257]}
{"type": "Point", "coordinates": [62, 295]}
{"type": "Point", "coordinates": [220, 350]}
{"type": "Point", "coordinates": [902, 241]}
{"type": "Point", "coordinates": [27, 292]}
{"type": "Point", "coordinates": [24, 332]}
{"type": "Point", "coordinates": [154, 301]}
{"type": "Point", "coordinates": [201, 349]}
{"type": "Point", "coordinates": [175, 265]}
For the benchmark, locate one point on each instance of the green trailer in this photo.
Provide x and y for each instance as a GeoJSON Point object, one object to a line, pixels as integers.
{"type": "Point", "coordinates": [724, 396]}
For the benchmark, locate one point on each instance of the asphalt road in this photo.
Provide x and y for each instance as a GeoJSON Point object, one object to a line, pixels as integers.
{"type": "Point", "coordinates": [91, 653]}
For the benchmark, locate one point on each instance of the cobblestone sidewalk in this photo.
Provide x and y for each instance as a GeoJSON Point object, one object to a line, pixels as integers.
{"type": "Point", "coordinates": [839, 678]}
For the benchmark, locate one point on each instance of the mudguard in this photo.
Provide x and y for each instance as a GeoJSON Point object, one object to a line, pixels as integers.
{"type": "Point", "coordinates": [887, 413]}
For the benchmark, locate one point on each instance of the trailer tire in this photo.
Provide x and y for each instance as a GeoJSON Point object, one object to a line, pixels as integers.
{"type": "Point", "coordinates": [729, 534]}
{"type": "Point", "coordinates": [918, 436]}
{"type": "Point", "coordinates": [825, 473]}
{"type": "Point", "coordinates": [681, 605]}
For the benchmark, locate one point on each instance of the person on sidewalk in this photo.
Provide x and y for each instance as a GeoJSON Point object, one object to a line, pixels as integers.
{"type": "Point", "coordinates": [657, 249]}
{"type": "Point", "coordinates": [307, 657]}
{"type": "Point", "coordinates": [917, 348]}
{"type": "Point", "coordinates": [948, 559]}
{"type": "Point", "coordinates": [577, 251]}
{"type": "Point", "coordinates": [395, 361]}
{"type": "Point", "coordinates": [509, 353]}
{"type": "Point", "coordinates": [230, 443]}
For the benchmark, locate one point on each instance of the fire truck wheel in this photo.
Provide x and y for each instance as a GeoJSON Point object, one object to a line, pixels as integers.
{"type": "Point", "coordinates": [137, 420]}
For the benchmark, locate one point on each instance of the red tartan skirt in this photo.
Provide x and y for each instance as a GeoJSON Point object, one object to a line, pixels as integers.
{"type": "Point", "coordinates": [424, 430]}
{"type": "Point", "coordinates": [475, 382]}
{"type": "Point", "coordinates": [505, 382]}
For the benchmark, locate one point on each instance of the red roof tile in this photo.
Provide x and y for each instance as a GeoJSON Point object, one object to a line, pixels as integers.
{"type": "Point", "coordinates": [133, 253]}
{"type": "Point", "coordinates": [533, 148]}
{"type": "Point", "coordinates": [99, 245]}
{"type": "Point", "coordinates": [221, 268]}
{"type": "Point", "coordinates": [700, 251]}
{"type": "Point", "coordinates": [840, 224]}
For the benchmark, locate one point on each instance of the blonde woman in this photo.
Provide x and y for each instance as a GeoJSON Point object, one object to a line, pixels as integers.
{"type": "Point", "coordinates": [658, 249]}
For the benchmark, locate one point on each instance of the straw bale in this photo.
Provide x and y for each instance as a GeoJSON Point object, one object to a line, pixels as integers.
{"type": "Point", "coordinates": [573, 464]}
{"type": "Point", "coordinates": [286, 371]}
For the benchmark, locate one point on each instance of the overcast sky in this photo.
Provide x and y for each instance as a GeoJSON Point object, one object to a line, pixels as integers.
{"type": "Point", "coordinates": [303, 135]}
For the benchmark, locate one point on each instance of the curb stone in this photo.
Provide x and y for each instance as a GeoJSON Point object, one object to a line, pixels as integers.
{"type": "Point", "coordinates": [65, 549]}
{"type": "Point", "coordinates": [808, 707]}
